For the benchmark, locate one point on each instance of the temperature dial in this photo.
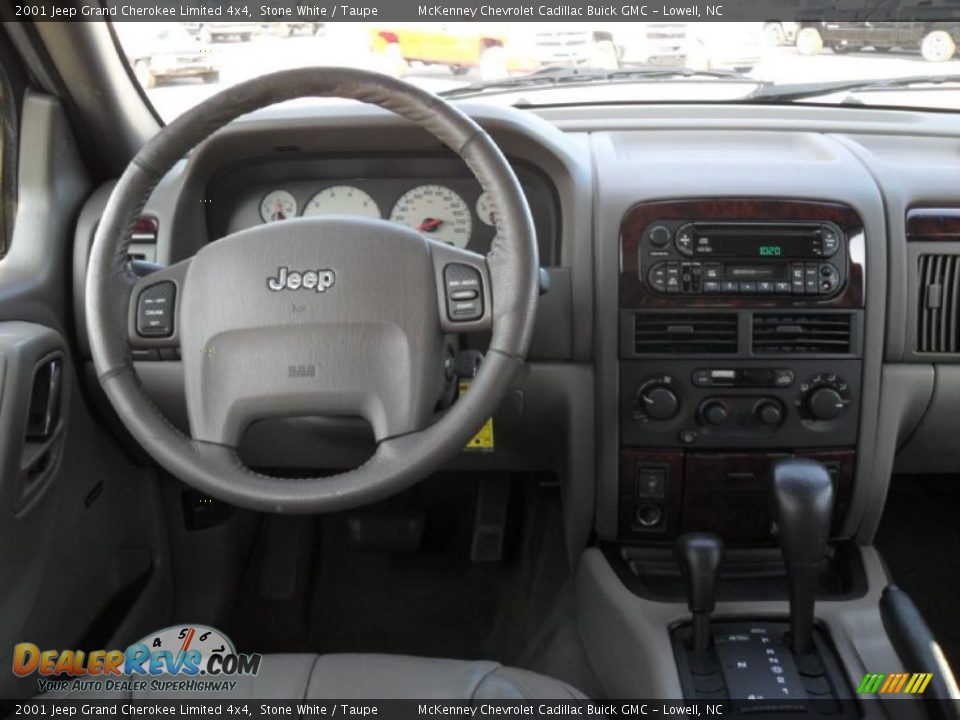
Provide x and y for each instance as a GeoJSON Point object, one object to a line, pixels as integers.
{"type": "Point", "coordinates": [657, 400]}
{"type": "Point", "coordinates": [825, 397]}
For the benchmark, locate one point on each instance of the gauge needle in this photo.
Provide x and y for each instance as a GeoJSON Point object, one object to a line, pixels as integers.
{"type": "Point", "coordinates": [278, 211]}
{"type": "Point", "coordinates": [429, 225]}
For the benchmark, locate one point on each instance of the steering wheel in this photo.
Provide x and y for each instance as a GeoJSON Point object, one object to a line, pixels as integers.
{"type": "Point", "coordinates": [333, 316]}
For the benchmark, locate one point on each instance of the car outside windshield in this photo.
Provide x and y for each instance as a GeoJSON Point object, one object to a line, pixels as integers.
{"type": "Point", "coordinates": [893, 64]}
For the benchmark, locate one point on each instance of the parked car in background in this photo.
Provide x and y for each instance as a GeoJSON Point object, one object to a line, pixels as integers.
{"type": "Point", "coordinates": [778, 32]}
{"type": "Point", "coordinates": [287, 29]}
{"type": "Point", "coordinates": [211, 32]}
{"type": "Point", "coordinates": [936, 41]}
{"type": "Point", "coordinates": [459, 46]}
{"type": "Point", "coordinates": [699, 46]}
{"type": "Point", "coordinates": [163, 51]}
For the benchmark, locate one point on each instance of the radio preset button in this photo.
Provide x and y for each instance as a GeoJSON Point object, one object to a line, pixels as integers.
{"type": "Point", "coordinates": [748, 287]}
{"type": "Point", "coordinates": [782, 287]}
{"type": "Point", "coordinates": [730, 287]}
{"type": "Point", "coordinates": [673, 277]}
{"type": "Point", "coordinates": [711, 286]}
{"type": "Point", "coordinates": [658, 277]}
{"type": "Point", "coordinates": [829, 278]}
{"type": "Point", "coordinates": [829, 241]}
{"type": "Point", "coordinates": [765, 287]}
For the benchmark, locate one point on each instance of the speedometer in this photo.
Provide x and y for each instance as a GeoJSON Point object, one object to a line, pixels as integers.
{"type": "Point", "coordinates": [342, 200]}
{"type": "Point", "coordinates": [436, 211]}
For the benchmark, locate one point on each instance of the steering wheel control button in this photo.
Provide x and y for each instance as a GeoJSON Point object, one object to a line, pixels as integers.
{"type": "Point", "coordinates": [155, 310]}
{"type": "Point", "coordinates": [463, 287]}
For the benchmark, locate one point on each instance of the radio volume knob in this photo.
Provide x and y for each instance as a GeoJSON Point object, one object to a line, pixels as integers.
{"type": "Point", "coordinates": [660, 236]}
{"type": "Point", "coordinates": [825, 403]}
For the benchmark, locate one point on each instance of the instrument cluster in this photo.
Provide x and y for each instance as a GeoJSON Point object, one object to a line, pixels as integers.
{"type": "Point", "coordinates": [433, 196]}
{"type": "Point", "coordinates": [435, 210]}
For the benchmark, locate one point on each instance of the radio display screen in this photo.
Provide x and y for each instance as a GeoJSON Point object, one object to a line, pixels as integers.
{"type": "Point", "coordinates": [756, 247]}
{"type": "Point", "coordinates": [757, 242]}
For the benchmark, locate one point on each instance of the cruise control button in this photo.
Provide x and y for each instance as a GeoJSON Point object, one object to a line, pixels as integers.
{"type": "Point", "coordinates": [463, 291]}
{"type": "Point", "coordinates": [155, 310]}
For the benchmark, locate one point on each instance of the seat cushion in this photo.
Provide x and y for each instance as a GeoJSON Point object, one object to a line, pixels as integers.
{"type": "Point", "coordinates": [373, 677]}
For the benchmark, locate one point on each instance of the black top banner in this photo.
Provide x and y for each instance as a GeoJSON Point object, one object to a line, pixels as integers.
{"type": "Point", "coordinates": [539, 11]}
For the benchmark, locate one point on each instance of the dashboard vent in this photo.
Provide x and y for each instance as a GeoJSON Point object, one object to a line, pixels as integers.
{"type": "Point", "coordinates": [802, 333]}
{"type": "Point", "coordinates": [685, 333]}
{"type": "Point", "coordinates": [938, 329]}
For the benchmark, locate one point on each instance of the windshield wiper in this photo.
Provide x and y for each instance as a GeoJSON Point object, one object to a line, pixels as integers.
{"type": "Point", "coordinates": [799, 91]}
{"type": "Point", "coordinates": [555, 76]}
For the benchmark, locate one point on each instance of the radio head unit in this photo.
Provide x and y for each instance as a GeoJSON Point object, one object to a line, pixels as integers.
{"type": "Point", "coordinates": [742, 258]}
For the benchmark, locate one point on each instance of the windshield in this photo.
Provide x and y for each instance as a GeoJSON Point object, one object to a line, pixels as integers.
{"type": "Point", "coordinates": [908, 64]}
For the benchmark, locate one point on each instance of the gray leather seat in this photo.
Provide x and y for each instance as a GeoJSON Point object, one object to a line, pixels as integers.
{"type": "Point", "coordinates": [375, 677]}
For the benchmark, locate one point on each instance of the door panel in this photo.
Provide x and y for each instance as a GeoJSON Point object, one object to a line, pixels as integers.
{"type": "Point", "coordinates": [82, 544]}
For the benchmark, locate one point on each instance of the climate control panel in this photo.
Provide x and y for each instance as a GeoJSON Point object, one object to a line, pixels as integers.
{"type": "Point", "coordinates": [739, 403]}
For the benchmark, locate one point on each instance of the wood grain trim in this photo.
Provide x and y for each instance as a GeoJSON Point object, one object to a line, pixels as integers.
{"type": "Point", "coordinates": [930, 223]}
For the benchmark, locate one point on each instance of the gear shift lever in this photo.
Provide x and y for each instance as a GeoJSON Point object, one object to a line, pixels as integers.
{"type": "Point", "coordinates": [802, 497]}
{"type": "Point", "coordinates": [699, 555]}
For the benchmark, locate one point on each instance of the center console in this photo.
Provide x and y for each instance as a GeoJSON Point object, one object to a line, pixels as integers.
{"type": "Point", "coordinates": [741, 342]}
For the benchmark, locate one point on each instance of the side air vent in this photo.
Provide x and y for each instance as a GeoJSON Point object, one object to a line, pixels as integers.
{"type": "Point", "coordinates": [802, 333]}
{"type": "Point", "coordinates": [938, 327]}
{"type": "Point", "coordinates": [685, 333]}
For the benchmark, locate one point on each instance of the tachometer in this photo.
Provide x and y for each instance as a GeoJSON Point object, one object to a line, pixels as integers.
{"type": "Point", "coordinates": [342, 200]}
{"type": "Point", "coordinates": [437, 211]}
{"type": "Point", "coordinates": [485, 208]}
{"type": "Point", "coordinates": [278, 205]}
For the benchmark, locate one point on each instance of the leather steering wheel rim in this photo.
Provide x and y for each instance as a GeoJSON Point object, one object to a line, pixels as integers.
{"type": "Point", "coordinates": [399, 461]}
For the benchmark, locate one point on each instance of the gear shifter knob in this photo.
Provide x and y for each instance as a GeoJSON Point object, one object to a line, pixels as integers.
{"type": "Point", "coordinates": [802, 495]}
{"type": "Point", "coordinates": [700, 555]}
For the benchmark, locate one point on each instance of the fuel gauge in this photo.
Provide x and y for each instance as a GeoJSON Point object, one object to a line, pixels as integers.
{"type": "Point", "coordinates": [277, 205]}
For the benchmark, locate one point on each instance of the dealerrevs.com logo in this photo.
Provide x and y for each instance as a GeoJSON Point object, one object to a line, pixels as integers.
{"type": "Point", "coordinates": [184, 658]}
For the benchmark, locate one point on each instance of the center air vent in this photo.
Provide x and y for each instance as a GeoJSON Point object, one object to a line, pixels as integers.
{"type": "Point", "coordinates": [938, 327]}
{"type": "Point", "coordinates": [685, 333]}
{"type": "Point", "coordinates": [802, 333]}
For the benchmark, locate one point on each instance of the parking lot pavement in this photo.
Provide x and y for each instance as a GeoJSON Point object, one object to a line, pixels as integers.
{"type": "Point", "coordinates": [347, 44]}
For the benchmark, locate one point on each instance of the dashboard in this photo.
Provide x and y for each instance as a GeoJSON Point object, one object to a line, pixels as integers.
{"type": "Point", "coordinates": [794, 318]}
{"type": "Point", "coordinates": [434, 194]}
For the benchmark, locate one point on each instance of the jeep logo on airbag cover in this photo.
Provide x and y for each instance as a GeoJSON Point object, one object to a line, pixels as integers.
{"type": "Point", "coordinates": [286, 279]}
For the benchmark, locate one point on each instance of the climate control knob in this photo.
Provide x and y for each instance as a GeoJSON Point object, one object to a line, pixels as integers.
{"type": "Point", "coordinates": [714, 412]}
{"type": "Point", "coordinates": [658, 402]}
{"type": "Point", "coordinates": [825, 403]}
{"type": "Point", "coordinates": [768, 412]}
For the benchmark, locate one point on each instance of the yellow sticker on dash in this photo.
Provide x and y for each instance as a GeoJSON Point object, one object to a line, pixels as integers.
{"type": "Point", "coordinates": [483, 440]}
